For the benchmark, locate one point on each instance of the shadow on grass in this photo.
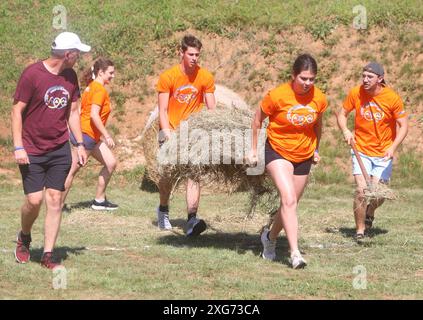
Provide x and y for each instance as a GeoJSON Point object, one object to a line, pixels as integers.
{"type": "Point", "coordinates": [148, 185]}
{"type": "Point", "coordinates": [78, 205]}
{"type": "Point", "coordinates": [240, 242]}
{"type": "Point", "coordinates": [350, 232]}
{"type": "Point", "coordinates": [178, 223]}
{"type": "Point", "coordinates": [60, 253]}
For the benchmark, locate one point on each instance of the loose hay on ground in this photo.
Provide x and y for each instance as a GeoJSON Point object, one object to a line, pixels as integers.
{"type": "Point", "coordinates": [379, 191]}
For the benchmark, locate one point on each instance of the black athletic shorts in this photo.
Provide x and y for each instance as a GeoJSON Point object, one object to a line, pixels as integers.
{"type": "Point", "coordinates": [47, 171]}
{"type": "Point", "coordinates": [300, 168]}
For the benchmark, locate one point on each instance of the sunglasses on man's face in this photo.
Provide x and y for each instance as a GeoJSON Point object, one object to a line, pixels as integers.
{"type": "Point", "coordinates": [75, 53]}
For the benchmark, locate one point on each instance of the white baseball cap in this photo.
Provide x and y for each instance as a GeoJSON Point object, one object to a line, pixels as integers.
{"type": "Point", "coordinates": [69, 40]}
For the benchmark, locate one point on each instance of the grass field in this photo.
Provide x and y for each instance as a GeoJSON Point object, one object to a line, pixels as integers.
{"type": "Point", "coordinates": [123, 255]}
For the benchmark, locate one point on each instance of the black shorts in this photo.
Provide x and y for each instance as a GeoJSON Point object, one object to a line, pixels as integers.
{"type": "Point", "coordinates": [300, 168]}
{"type": "Point", "coordinates": [47, 171]}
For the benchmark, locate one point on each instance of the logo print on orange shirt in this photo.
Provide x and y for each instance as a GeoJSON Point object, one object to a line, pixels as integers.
{"type": "Point", "coordinates": [371, 109]}
{"type": "Point", "coordinates": [56, 97]}
{"type": "Point", "coordinates": [185, 93]}
{"type": "Point", "coordinates": [300, 115]}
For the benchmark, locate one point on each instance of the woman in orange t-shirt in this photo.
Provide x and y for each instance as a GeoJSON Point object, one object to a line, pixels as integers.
{"type": "Point", "coordinates": [95, 110]}
{"type": "Point", "coordinates": [295, 112]}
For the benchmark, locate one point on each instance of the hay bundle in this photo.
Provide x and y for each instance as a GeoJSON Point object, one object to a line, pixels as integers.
{"type": "Point", "coordinates": [208, 144]}
{"type": "Point", "coordinates": [210, 147]}
{"type": "Point", "coordinates": [373, 190]}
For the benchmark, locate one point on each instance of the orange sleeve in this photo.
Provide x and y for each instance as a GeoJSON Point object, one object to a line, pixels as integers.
{"type": "Point", "coordinates": [163, 85]}
{"type": "Point", "coordinates": [98, 97]}
{"type": "Point", "coordinates": [323, 104]}
{"type": "Point", "coordinates": [349, 102]}
{"type": "Point", "coordinates": [267, 105]}
{"type": "Point", "coordinates": [398, 109]}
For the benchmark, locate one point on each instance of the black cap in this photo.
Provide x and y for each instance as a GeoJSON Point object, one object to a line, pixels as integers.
{"type": "Point", "coordinates": [375, 68]}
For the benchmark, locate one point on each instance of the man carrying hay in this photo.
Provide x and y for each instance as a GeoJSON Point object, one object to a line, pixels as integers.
{"type": "Point", "coordinates": [182, 90]}
{"type": "Point", "coordinates": [380, 126]}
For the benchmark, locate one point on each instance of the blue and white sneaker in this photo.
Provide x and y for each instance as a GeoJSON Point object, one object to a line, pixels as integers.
{"type": "Point", "coordinates": [195, 227]}
{"type": "Point", "coordinates": [163, 220]}
{"type": "Point", "coordinates": [269, 247]}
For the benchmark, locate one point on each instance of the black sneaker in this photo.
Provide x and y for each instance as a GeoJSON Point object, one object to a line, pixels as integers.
{"type": "Point", "coordinates": [105, 205]}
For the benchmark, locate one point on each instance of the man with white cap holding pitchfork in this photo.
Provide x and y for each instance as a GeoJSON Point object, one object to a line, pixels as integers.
{"type": "Point", "coordinates": [381, 125]}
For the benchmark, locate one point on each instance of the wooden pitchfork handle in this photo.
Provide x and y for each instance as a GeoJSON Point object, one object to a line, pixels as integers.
{"type": "Point", "coordinates": [361, 164]}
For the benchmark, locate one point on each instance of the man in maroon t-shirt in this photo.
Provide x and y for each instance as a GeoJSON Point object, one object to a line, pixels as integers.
{"type": "Point", "coordinates": [45, 104]}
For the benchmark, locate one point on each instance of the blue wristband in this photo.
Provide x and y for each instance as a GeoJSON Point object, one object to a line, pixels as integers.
{"type": "Point", "coordinates": [316, 151]}
{"type": "Point", "coordinates": [19, 148]}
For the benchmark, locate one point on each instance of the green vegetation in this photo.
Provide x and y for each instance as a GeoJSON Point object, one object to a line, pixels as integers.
{"type": "Point", "coordinates": [126, 31]}
{"type": "Point", "coordinates": [409, 170]}
{"type": "Point", "coordinates": [6, 142]}
{"type": "Point", "coordinates": [119, 100]}
{"type": "Point", "coordinates": [138, 34]}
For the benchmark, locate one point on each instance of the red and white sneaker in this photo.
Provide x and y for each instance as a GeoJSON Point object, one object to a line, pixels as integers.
{"type": "Point", "coordinates": [23, 242]}
{"type": "Point", "coordinates": [47, 261]}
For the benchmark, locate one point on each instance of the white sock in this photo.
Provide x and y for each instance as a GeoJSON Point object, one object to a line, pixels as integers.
{"type": "Point", "coordinates": [100, 200]}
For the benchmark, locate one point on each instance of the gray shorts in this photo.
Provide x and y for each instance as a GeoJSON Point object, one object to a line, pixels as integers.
{"type": "Point", "coordinates": [375, 166]}
{"type": "Point", "coordinates": [89, 142]}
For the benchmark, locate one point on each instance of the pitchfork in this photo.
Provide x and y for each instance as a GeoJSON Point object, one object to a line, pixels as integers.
{"type": "Point", "coordinates": [373, 191]}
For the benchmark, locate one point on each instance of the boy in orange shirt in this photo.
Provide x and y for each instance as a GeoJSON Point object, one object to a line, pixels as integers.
{"type": "Point", "coordinates": [182, 90]}
{"type": "Point", "coordinates": [380, 126]}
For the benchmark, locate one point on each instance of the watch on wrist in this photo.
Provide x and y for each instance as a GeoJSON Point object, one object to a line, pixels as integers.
{"type": "Point", "coordinates": [80, 144]}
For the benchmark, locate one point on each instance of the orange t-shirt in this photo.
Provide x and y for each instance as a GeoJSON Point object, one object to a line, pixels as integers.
{"type": "Point", "coordinates": [375, 119]}
{"type": "Point", "coordinates": [97, 94]}
{"type": "Point", "coordinates": [292, 119]}
{"type": "Point", "coordinates": [186, 94]}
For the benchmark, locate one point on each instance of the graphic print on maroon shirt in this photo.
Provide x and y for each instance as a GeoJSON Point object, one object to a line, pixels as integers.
{"type": "Point", "coordinates": [48, 98]}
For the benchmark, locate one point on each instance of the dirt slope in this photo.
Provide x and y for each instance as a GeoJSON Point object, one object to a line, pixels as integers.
{"type": "Point", "coordinates": [253, 62]}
